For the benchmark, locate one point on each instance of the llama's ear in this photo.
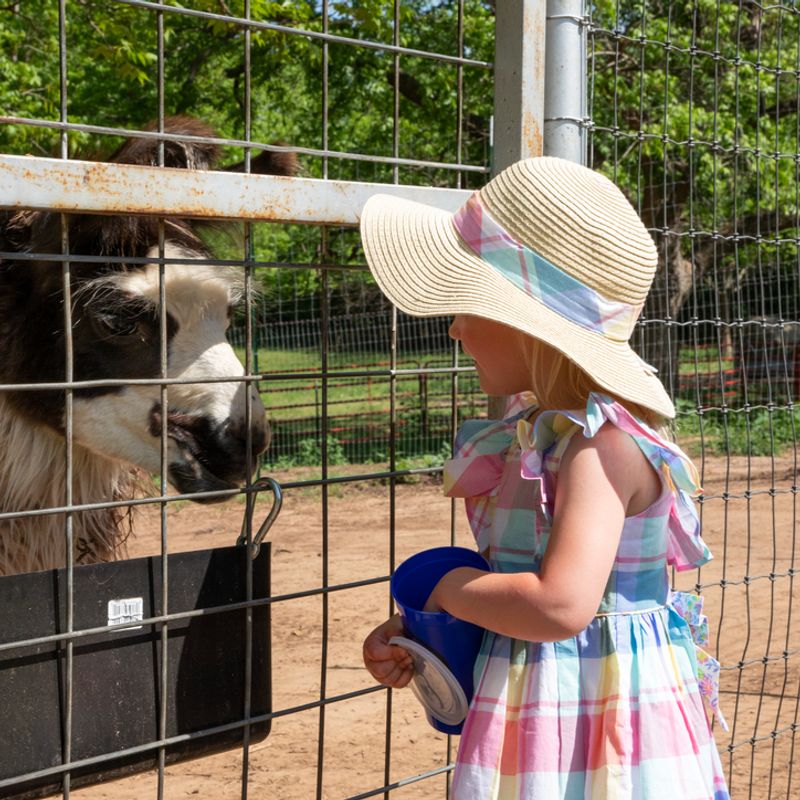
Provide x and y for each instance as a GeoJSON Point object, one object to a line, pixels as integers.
{"type": "Point", "coordinates": [270, 163]}
{"type": "Point", "coordinates": [180, 154]}
{"type": "Point", "coordinates": [25, 230]}
{"type": "Point", "coordinates": [9, 237]}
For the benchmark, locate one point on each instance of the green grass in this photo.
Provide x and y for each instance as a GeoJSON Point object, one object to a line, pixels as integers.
{"type": "Point", "coordinates": [704, 361]}
{"type": "Point", "coordinates": [358, 411]}
{"type": "Point", "coordinates": [705, 367]}
{"type": "Point", "coordinates": [755, 432]}
{"type": "Point", "coordinates": [358, 408]}
{"type": "Point", "coordinates": [285, 400]}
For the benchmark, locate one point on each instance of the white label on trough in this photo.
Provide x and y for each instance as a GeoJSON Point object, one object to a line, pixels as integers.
{"type": "Point", "coordinates": [127, 609]}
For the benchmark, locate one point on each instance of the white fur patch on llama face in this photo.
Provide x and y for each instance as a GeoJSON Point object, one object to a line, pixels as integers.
{"type": "Point", "coordinates": [193, 291]}
{"type": "Point", "coordinates": [205, 422]}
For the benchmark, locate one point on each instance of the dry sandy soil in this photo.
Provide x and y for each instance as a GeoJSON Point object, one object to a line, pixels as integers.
{"type": "Point", "coordinates": [750, 528]}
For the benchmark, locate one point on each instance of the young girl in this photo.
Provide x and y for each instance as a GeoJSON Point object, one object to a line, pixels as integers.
{"type": "Point", "coordinates": [590, 681]}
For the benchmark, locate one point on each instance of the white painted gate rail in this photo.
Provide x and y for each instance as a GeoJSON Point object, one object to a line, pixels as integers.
{"type": "Point", "coordinates": [104, 188]}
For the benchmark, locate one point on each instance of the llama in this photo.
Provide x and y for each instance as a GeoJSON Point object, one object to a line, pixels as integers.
{"type": "Point", "coordinates": [116, 335]}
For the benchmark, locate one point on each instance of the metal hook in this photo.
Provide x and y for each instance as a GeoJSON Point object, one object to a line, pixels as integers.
{"type": "Point", "coordinates": [277, 492]}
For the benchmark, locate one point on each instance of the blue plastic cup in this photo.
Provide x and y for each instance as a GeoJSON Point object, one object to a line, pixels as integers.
{"type": "Point", "coordinates": [454, 641]}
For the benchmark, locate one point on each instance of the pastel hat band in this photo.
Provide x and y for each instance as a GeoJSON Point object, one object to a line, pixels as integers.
{"type": "Point", "coordinates": [539, 278]}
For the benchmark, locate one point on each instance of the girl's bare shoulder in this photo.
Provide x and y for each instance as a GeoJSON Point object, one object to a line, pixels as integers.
{"type": "Point", "coordinates": [612, 454]}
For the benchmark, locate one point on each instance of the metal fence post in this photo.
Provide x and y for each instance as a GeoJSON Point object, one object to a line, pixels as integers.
{"type": "Point", "coordinates": [519, 82]}
{"type": "Point", "coordinates": [519, 68]}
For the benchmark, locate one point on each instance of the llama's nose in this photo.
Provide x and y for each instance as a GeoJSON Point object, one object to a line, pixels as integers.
{"type": "Point", "coordinates": [257, 433]}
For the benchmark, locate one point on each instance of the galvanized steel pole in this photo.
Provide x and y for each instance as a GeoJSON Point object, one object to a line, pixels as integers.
{"type": "Point", "coordinates": [565, 81]}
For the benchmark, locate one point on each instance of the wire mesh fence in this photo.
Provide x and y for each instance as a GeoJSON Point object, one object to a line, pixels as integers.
{"type": "Point", "coordinates": [359, 408]}
{"type": "Point", "coordinates": [693, 109]}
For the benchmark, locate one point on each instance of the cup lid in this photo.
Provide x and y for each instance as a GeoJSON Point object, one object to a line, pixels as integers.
{"type": "Point", "coordinates": [433, 684]}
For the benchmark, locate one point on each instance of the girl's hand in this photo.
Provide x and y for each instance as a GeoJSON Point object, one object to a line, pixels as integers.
{"type": "Point", "coordinates": [388, 664]}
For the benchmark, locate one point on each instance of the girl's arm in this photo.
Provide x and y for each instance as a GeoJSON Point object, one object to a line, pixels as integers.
{"type": "Point", "coordinates": [600, 481]}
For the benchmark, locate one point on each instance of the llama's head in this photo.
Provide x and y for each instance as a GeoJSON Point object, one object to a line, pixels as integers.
{"type": "Point", "coordinates": [116, 326]}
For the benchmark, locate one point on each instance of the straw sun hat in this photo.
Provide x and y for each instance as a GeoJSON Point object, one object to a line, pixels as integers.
{"type": "Point", "coordinates": [548, 247]}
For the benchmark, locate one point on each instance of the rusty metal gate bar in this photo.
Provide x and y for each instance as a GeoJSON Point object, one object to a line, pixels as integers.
{"type": "Point", "coordinates": [104, 188]}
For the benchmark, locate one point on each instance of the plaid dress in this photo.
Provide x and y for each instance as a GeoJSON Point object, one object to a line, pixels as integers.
{"type": "Point", "coordinates": [616, 711]}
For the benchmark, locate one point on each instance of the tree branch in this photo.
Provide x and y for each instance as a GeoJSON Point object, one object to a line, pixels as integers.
{"type": "Point", "coordinates": [783, 109]}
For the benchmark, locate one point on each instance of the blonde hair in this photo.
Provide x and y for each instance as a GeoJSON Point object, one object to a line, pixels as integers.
{"type": "Point", "coordinates": [558, 382]}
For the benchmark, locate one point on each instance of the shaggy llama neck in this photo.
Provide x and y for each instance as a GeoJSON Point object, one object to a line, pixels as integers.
{"type": "Point", "coordinates": [33, 476]}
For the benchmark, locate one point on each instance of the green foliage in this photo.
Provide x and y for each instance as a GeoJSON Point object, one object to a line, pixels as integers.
{"type": "Point", "coordinates": [700, 92]}
{"type": "Point", "coordinates": [112, 77]}
{"type": "Point", "coordinates": [427, 460]}
{"type": "Point", "coordinates": [309, 454]}
{"type": "Point", "coordinates": [29, 85]}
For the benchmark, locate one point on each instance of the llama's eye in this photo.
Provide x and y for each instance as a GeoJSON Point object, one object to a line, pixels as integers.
{"type": "Point", "coordinates": [117, 326]}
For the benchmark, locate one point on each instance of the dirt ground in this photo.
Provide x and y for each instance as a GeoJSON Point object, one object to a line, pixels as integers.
{"type": "Point", "coordinates": [749, 517]}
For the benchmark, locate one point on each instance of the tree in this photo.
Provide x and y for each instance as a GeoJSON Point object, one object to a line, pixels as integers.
{"type": "Point", "coordinates": [695, 107]}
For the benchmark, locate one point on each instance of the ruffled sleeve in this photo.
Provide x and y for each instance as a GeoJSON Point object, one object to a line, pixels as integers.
{"type": "Point", "coordinates": [479, 458]}
{"type": "Point", "coordinates": [685, 547]}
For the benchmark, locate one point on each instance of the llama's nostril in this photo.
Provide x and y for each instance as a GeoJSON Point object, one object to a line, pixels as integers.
{"type": "Point", "coordinates": [257, 434]}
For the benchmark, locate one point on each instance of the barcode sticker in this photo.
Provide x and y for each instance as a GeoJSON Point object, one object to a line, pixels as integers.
{"type": "Point", "coordinates": [127, 609]}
